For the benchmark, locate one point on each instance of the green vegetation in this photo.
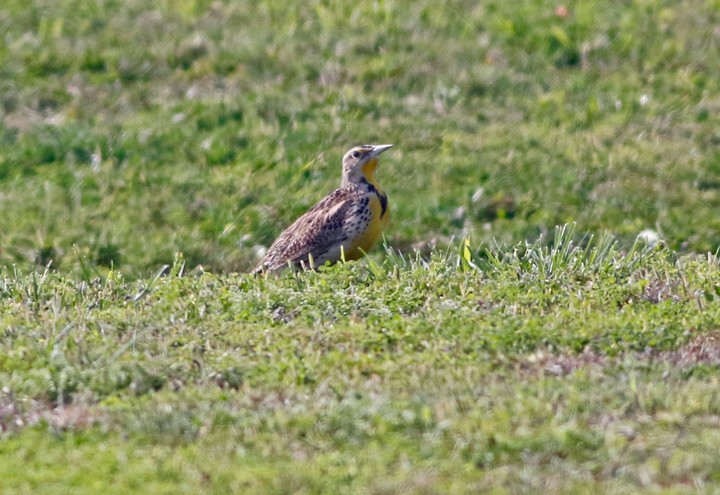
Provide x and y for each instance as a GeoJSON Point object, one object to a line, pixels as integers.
{"type": "Point", "coordinates": [148, 150]}
{"type": "Point", "coordinates": [131, 132]}
{"type": "Point", "coordinates": [558, 367]}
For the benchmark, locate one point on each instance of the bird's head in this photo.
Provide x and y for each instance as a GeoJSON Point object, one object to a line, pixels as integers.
{"type": "Point", "coordinates": [361, 162]}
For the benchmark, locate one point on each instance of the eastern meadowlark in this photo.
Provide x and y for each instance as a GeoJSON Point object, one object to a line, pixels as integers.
{"type": "Point", "coordinates": [343, 226]}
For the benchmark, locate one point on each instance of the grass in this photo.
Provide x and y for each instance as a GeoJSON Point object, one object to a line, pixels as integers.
{"type": "Point", "coordinates": [142, 131]}
{"type": "Point", "coordinates": [558, 368]}
{"type": "Point", "coordinates": [149, 152]}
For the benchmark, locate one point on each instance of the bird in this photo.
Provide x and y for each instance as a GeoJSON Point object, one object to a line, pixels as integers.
{"type": "Point", "coordinates": [342, 226]}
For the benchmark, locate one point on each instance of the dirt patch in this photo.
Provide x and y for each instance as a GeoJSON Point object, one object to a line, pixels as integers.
{"type": "Point", "coordinates": [16, 414]}
{"type": "Point", "coordinates": [657, 291]}
{"type": "Point", "coordinates": [703, 349]}
{"type": "Point", "coordinates": [561, 364]}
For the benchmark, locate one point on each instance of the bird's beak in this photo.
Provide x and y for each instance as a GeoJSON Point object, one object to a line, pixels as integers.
{"type": "Point", "coordinates": [379, 148]}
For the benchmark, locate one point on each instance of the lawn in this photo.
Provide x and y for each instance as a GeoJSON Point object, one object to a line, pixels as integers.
{"type": "Point", "coordinates": [512, 335]}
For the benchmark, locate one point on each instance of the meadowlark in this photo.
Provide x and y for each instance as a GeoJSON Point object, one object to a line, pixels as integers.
{"type": "Point", "coordinates": [342, 226]}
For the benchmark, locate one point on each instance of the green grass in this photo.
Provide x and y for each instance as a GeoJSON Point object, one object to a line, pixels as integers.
{"type": "Point", "coordinates": [149, 152]}
{"type": "Point", "coordinates": [563, 368]}
{"type": "Point", "coordinates": [131, 132]}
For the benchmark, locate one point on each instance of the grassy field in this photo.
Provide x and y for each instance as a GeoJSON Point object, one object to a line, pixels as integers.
{"type": "Point", "coordinates": [149, 152]}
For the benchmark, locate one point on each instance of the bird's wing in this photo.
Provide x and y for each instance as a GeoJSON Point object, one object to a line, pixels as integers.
{"type": "Point", "coordinates": [314, 233]}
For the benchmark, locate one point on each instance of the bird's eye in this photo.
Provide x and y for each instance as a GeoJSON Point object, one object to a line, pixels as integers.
{"type": "Point", "coordinates": [355, 154]}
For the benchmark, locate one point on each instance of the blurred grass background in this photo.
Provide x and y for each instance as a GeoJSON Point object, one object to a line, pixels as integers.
{"type": "Point", "coordinates": [132, 130]}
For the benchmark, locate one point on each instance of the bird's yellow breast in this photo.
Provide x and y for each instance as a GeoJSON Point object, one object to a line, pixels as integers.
{"type": "Point", "coordinates": [370, 235]}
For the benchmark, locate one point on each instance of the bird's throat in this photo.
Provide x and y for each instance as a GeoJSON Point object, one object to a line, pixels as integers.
{"type": "Point", "coordinates": [368, 171]}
